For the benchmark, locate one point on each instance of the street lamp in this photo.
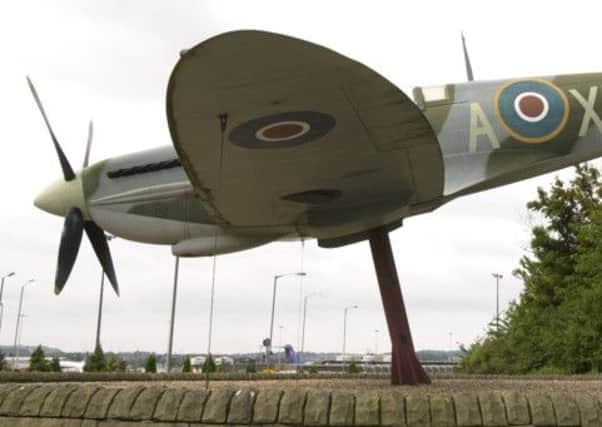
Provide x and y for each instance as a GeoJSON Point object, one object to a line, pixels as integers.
{"type": "Point", "coordinates": [269, 344]}
{"type": "Point", "coordinates": [304, 318]}
{"type": "Point", "coordinates": [16, 354]}
{"type": "Point", "coordinates": [1, 300]}
{"type": "Point", "coordinates": [345, 331]}
{"type": "Point", "coordinates": [280, 328]}
{"type": "Point", "coordinates": [173, 315]}
{"type": "Point", "coordinates": [101, 298]}
{"type": "Point", "coordinates": [497, 300]}
{"type": "Point", "coordinates": [23, 316]}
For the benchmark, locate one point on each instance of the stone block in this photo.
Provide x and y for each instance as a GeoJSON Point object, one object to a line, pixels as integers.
{"type": "Point", "coordinates": [468, 413]}
{"type": "Point", "coordinates": [13, 401]}
{"type": "Point", "coordinates": [123, 402]}
{"type": "Point", "coordinates": [48, 422]}
{"type": "Point", "coordinates": [341, 410]}
{"type": "Point", "coordinates": [542, 411]}
{"type": "Point", "coordinates": [291, 407]}
{"type": "Point", "coordinates": [241, 407]}
{"type": "Point", "coordinates": [392, 409]}
{"type": "Point", "coordinates": [76, 403]}
{"type": "Point", "coordinates": [146, 402]}
{"type": "Point", "coordinates": [53, 405]}
{"type": "Point", "coordinates": [442, 411]}
{"type": "Point", "coordinates": [266, 406]}
{"type": "Point", "coordinates": [6, 390]}
{"type": "Point", "coordinates": [167, 407]}
{"type": "Point", "coordinates": [191, 407]}
{"type": "Point", "coordinates": [316, 409]}
{"type": "Point", "coordinates": [517, 408]}
{"type": "Point", "coordinates": [566, 410]}
{"type": "Point", "coordinates": [216, 408]}
{"type": "Point", "coordinates": [493, 410]}
{"type": "Point", "coordinates": [98, 406]}
{"type": "Point", "coordinates": [367, 408]}
{"type": "Point", "coordinates": [591, 414]}
{"type": "Point", "coordinates": [32, 405]}
{"type": "Point", "coordinates": [417, 410]}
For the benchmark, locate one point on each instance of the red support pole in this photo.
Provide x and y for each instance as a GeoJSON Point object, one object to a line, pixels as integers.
{"type": "Point", "coordinates": [405, 367]}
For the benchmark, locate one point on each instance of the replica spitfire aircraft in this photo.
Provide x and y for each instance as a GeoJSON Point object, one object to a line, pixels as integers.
{"type": "Point", "coordinates": [276, 138]}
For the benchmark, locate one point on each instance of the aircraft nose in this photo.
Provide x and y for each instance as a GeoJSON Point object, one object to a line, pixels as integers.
{"type": "Point", "coordinates": [61, 196]}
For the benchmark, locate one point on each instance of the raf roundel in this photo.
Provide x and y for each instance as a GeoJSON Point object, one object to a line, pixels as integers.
{"type": "Point", "coordinates": [532, 111]}
{"type": "Point", "coordinates": [282, 130]}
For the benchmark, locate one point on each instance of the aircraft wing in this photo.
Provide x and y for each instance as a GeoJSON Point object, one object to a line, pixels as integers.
{"type": "Point", "coordinates": [278, 132]}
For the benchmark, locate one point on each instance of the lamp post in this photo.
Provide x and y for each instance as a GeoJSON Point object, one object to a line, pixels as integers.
{"type": "Point", "coordinates": [497, 300]}
{"type": "Point", "coordinates": [1, 293]}
{"type": "Point", "coordinates": [304, 319]}
{"type": "Point", "coordinates": [16, 354]}
{"type": "Point", "coordinates": [345, 331]}
{"type": "Point", "coordinates": [269, 346]}
{"type": "Point", "coordinates": [23, 316]}
{"type": "Point", "coordinates": [173, 315]}
{"type": "Point", "coordinates": [101, 298]}
{"type": "Point", "coordinates": [280, 328]}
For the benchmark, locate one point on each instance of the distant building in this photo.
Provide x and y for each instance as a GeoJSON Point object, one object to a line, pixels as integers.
{"type": "Point", "coordinates": [197, 362]}
{"type": "Point", "coordinates": [71, 366]}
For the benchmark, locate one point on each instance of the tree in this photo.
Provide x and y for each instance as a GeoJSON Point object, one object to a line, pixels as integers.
{"type": "Point", "coordinates": [353, 368]}
{"type": "Point", "coordinates": [556, 325]}
{"type": "Point", "coordinates": [37, 360]}
{"type": "Point", "coordinates": [251, 367]}
{"type": "Point", "coordinates": [54, 365]}
{"type": "Point", "coordinates": [187, 367]}
{"type": "Point", "coordinates": [115, 364]}
{"type": "Point", "coordinates": [96, 362]}
{"type": "Point", "coordinates": [209, 365]}
{"type": "Point", "coordinates": [2, 362]}
{"type": "Point", "coordinates": [151, 364]}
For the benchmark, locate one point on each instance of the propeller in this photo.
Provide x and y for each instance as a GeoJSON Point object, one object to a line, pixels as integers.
{"type": "Point", "coordinates": [75, 223]}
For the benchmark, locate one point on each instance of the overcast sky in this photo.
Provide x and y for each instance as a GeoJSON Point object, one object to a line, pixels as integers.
{"type": "Point", "coordinates": [110, 61]}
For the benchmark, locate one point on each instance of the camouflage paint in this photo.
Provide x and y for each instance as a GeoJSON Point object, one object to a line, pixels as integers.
{"type": "Point", "coordinates": [481, 149]}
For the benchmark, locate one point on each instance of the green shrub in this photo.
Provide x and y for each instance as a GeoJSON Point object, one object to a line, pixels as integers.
{"type": "Point", "coordinates": [115, 364]}
{"type": "Point", "coordinates": [353, 368]}
{"type": "Point", "coordinates": [151, 364]}
{"type": "Point", "coordinates": [187, 367]}
{"type": "Point", "coordinates": [54, 365]}
{"type": "Point", "coordinates": [37, 360]}
{"type": "Point", "coordinates": [251, 367]}
{"type": "Point", "coordinates": [96, 362]}
{"type": "Point", "coordinates": [209, 365]}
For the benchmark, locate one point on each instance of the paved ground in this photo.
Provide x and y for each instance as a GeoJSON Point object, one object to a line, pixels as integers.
{"type": "Point", "coordinates": [439, 385]}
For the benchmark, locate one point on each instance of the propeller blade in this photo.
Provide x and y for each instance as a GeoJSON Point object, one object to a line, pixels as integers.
{"type": "Point", "coordinates": [467, 64]}
{"type": "Point", "coordinates": [69, 247]}
{"type": "Point", "coordinates": [99, 243]}
{"type": "Point", "coordinates": [65, 166]}
{"type": "Point", "coordinates": [89, 144]}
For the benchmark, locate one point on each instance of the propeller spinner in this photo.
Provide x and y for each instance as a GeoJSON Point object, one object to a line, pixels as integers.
{"type": "Point", "coordinates": [66, 198]}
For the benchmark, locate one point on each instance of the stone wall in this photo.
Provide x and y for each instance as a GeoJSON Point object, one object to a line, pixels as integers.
{"type": "Point", "coordinates": [98, 406]}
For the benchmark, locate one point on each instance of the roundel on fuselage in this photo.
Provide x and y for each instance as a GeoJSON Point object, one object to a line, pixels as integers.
{"type": "Point", "coordinates": [532, 111]}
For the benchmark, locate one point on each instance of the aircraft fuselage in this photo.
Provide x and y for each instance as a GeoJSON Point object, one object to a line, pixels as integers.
{"type": "Point", "coordinates": [490, 134]}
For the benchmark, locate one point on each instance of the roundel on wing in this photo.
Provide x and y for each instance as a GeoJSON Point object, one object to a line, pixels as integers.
{"type": "Point", "coordinates": [532, 111]}
{"type": "Point", "coordinates": [282, 129]}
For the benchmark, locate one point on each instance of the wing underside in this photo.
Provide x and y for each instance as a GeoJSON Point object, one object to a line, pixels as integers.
{"type": "Point", "coordinates": [278, 132]}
